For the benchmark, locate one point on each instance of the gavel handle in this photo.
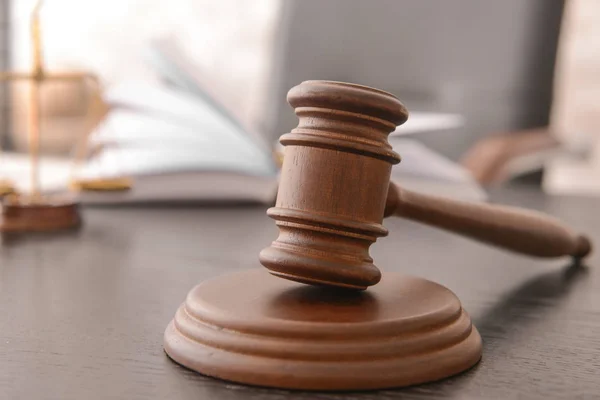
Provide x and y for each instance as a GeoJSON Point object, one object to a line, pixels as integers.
{"type": "Point", "coordinates": [519, 230]}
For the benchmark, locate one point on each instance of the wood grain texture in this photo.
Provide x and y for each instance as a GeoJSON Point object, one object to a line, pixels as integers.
{"type": "Point", "coordinates": [513, 228]}
{"type": "Point", "coordinates": [82, 315]}
{"type": "Point", "coordinates": [254, 328]}
{"type": "Point", "coordinates": [333, 185]}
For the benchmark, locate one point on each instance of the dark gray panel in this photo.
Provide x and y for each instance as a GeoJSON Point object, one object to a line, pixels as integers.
{"type": "Point", "coordinates": [492, 61]}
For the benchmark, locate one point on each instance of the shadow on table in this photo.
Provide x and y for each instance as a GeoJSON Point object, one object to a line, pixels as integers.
{"type": "Point", "coordinates": [16, 238]}
{"type": "Point", "coordinates": [537, 295]}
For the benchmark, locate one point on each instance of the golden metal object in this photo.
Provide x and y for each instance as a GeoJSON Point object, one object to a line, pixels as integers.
{"type": "Point", "coordinates": [37, 77]}
{"type": "Point", "coordinates": [102, 184]}
{"type": "Point", "coordinates": [6, 187]}
{"type": "Point", "coordinates": [37, 212]}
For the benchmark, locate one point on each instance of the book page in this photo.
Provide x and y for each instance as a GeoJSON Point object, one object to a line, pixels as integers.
{"type": "Point", "coordinates": [139, 108]}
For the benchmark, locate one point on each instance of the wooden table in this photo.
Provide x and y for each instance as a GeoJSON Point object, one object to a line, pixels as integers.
{"type": "Point", "coordinates": [82, 315]}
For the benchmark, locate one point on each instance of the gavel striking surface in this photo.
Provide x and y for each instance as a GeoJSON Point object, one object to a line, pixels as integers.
{"type": "Point", "coordinates": [253, 328]}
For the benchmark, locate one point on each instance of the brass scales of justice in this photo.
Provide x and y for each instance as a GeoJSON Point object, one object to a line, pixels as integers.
{"type": "Point", "coordinates": [39, 211]}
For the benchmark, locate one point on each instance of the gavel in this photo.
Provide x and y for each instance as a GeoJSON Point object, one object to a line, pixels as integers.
{"type": "Point", "coordinates": [335, 190]}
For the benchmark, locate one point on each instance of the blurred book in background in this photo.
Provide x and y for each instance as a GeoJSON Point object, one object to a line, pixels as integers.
{"type": "Point", "coordinates": [181, 140]}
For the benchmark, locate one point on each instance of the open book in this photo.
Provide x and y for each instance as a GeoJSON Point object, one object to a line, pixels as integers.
{"type": "Point", "coordinates": [180, 141]}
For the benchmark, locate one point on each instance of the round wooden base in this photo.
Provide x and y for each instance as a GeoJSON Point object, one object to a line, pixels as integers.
{"type": "Point", "coordinates": [44, 214]}
{"type": "Point", "coordinates": [254, 328]}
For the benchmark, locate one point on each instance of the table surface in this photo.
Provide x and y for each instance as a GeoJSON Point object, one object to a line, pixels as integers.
{"type": "Point", "coordinates": [82, 315]}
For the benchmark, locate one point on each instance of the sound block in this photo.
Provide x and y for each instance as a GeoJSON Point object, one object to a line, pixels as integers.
{"type": "Point", "coordinates": [254, 328]}
{"type": "Point", "coordinates": [40, 214]}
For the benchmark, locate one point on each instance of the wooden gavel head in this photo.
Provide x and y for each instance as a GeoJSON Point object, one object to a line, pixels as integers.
{"type": "Point", "coordinates": [334, 184]}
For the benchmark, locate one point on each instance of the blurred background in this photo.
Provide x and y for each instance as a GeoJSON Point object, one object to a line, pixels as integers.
{"type": "Point", "coordinates": [504, 90]}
